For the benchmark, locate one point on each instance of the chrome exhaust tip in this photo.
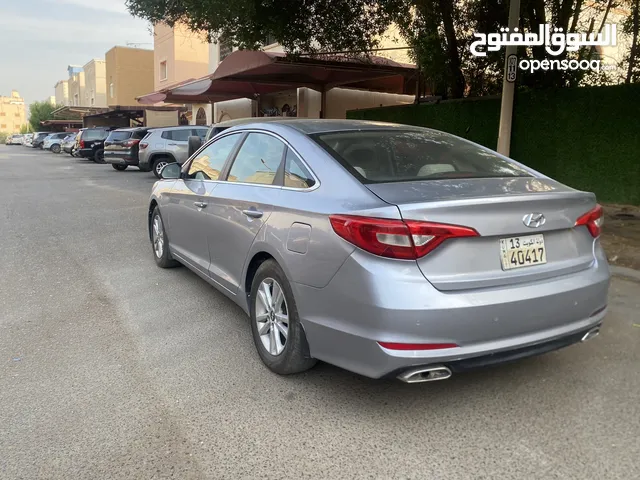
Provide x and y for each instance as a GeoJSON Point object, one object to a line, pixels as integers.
{"type": "Point", "coordinates": [425, 374]}
{"type": "Point", "coordinates": [590, 334]}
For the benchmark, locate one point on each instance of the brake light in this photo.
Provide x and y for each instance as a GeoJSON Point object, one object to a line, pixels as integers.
{"type": "Point", "coordinates": [593, 219]}
{"type": "Point", "coordinates": [130, 143]}
{"type": "Point", "coordinates": [143, 145]}
{"type": "Point", "coordinates": [81, 144]}
{"type": "Point", "coordinates": [407, 240]}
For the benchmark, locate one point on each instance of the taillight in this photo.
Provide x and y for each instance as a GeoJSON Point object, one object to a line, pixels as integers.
{"type": "Point", "coordinates": [130, 143]}
{"type": "Point", "coordinates": [407, 240]}
{"type": "Point", "coordinates": [143, 145]}
{"type": "Point", "coordinates": [593, 220]}
{"type": "Point", "coordinates": [81, 144]}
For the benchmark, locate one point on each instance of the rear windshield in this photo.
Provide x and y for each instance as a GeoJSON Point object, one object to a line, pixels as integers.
{"type": "Point", "coordinates": [119, 136]}
{"type": "Point", "coordinates": [404, 155]}
{"type": "Point", "coordinates": [94, 134]}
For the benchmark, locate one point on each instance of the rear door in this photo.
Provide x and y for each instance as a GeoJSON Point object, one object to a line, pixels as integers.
{"type": "Point", "coordinates": [178, 143]}
{"type": "Point", "coordinates": [239, 207]}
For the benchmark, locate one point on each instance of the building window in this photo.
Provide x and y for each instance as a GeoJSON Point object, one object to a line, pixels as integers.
{"type": "Point", "coordinates": [111, 90]}
{"type": "Point", "coordinates": [4, 125]}
{"type": "Point", "coordinates": [226, 47]}
{"type": "Point", "coordinates": [2, 114]}
{"type": "Point", "coordinates": [201, 117]}
{"type": "Point", "coordinates": [163, 70]}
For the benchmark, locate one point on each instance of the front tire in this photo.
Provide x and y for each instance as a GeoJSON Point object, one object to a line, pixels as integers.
{"type": "Point", "coordinates": [275, 324]}
{"type": "Point", "coordinates": [120, 168]}
{"type": "Point", "coordinates": [160, 243]}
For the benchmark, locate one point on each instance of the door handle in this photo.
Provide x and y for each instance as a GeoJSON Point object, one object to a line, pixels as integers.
{"type": "Point", "coordinates": [253, 213]}
{"type": "Point", "coordinates": [173, 144]}
{"type": "Point", "coordinates": [200, 204]}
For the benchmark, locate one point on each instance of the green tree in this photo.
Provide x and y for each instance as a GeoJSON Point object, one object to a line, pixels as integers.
{"type": "Point", "coordinates": [26, 128]}
{"type": "Point", "coordinates": [40, 111]}
{"type": "Point", "coordinates": [3, 136]}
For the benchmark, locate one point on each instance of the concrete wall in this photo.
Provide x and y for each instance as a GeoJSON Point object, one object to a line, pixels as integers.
{"type": "Point", "coordinates": [232, 109]}
{"type": "Point", "coordinates": [13, 113]}
{"type": "Point", "coordinates": [62, 92]}
{"type": "Point", "coordinates": [208, 111]}
{"type": "Point", "coordinates": [155, 118]}
{"type": "Point", "coordinates": [186, 54]}
{"type": "Point", "coordinates": [129, 74]}
{"type": "Point", "coordinates": [95, 94]}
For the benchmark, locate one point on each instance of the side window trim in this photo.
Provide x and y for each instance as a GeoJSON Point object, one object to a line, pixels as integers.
{"type": "Point", "coordinates": [307, 168]}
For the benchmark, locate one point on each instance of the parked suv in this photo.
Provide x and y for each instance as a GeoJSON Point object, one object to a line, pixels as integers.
{"type": "Point", "coordinates": [122, 145]}
{"type": "Point", "coordinates": [167, 145]}
{"type": "Point", "coordinates": [91, 143]}
{"type": "Point", "coordinates": [54, 141]}
{"type": "Point", "coordinates": [38, 139]}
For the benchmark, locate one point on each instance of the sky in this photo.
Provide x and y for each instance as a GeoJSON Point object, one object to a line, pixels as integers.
{"type": "Point", "coordinates": [40, 38]}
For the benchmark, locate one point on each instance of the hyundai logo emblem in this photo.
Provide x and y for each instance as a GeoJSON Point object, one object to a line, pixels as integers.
{"type": "Point", "coordinates": [534, 220]}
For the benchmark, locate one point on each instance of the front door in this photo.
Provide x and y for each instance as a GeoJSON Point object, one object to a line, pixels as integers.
{"type": "Point", "coordinates": [178, 143]}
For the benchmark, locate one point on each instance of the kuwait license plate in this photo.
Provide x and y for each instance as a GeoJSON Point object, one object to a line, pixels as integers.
{"type": "Point", "coordinates": [516, 252]}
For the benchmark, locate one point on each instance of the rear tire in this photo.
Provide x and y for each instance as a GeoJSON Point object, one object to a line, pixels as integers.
{"type": "Point", "coordinates": [55, 148]}
{"type": "Point", "coordinates": [277, 331]}
{"type": "Point", "coordinates": [160, 242]}
{"type": "Point", "coordinates": [99, 156]}
{"type": "Point", "coordinates": [158, 164]}
{"type": "Point", "coordinates": [120, 168]}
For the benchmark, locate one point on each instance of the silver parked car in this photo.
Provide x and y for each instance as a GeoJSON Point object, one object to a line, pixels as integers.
{"type": "Point", "coordinates": [384, 249]}
{"type": "Point", "coordinates": [166, 145]}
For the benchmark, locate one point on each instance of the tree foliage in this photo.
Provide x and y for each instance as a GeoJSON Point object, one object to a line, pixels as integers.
{"type": "Point", "coordinates": [40, 111]}
{"type": "Point", "coordinates": [438, 32]}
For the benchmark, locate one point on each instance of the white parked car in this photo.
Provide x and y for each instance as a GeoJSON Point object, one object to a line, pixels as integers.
{"type": "Point", "coordinates": [54, 141]}
{"type": "Point", "coordinates": [15, 139]}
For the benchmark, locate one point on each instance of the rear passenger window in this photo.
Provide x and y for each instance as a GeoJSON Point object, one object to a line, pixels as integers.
{"type": "Point", "coordinates": [200, 132]}
{"type": "Point", "coordinates": [209, 162]}
{"type": "Point", "coordinates": [258, 160]}
{"type": "Point", "coordinates": [295, 174]}
{"type": "Point", "coordinates": [181, 135]}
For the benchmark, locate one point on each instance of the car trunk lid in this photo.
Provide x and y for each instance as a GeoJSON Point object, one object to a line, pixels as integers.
{"type": "Point", "coordinates": [497, 209]}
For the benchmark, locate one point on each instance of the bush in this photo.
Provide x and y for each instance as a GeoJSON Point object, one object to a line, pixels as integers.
{"type": "Point", "coordinates": [587, 138]}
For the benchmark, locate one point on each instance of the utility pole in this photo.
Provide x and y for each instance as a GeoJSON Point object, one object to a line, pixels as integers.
{"type": "Point", "coordinates": [508, 83]}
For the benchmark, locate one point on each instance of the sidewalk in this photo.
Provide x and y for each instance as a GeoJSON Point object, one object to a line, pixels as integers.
{"type": "Point", "coordinates": [621, 235]}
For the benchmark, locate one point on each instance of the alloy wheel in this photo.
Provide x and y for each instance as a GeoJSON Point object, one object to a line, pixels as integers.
{"type": "Point", "coordinates": [160, 166]}
{"type": "Point", "coordinates": [272, 317]}
{"type": "Point", "coordinates": [158, 236]}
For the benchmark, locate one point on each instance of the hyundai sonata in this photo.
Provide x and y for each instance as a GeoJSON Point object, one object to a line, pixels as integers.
{"type": "Point", "coordinates": [384, 249]}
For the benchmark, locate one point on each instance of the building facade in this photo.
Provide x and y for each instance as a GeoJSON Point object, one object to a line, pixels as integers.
{"type": "Point", "coordinates": [95, 75]}
{"type": "Point", "coordinates": [178, 55]}
{"type": "Point", "coordinates": [76, 89]}
{"type": "Point", "coordinates": [129, 74]}
{"type": "Point", "coordinates": [13, 113]}
{"type": "Point", "coordinates": [62, 93]}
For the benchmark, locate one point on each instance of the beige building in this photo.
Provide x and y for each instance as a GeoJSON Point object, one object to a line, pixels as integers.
{"type": "Point", "coordinates": [95, 75]}
{"type": "Point", "coordinates": [13, 113]}
{"type": "Point", "coordinates": [62, 93]}
{"type": "Point", "coordinates": [76, 89]}
{"type": "Point", "coordinates": [178, 55]}
{"type": "Point", "coordinates": [129, 74]}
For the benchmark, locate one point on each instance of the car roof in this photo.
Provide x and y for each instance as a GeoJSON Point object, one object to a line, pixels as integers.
{"type": "Point", "coordinates": [159, 129]}
{"type": "Point", "coordinates": [310, 126]}
{"type": "Point", "coordinates": [130, 129]}
{"type": "Point", "coordinates": [245, 120]}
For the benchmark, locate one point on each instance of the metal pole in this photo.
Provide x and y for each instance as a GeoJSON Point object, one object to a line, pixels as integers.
{"type": "Point", "coordinates": [508, 83]}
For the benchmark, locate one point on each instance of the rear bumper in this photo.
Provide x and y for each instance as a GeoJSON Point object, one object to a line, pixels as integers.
{"type": "Point", "coordinates": [120, 157]}
{"type": "Point", "coordinates": [373, 299]}
{"type": "Point", "coordinates": [85, 152]}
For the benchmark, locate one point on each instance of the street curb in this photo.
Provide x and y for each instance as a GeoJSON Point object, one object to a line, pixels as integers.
{"type": "Point", "coordinates": [626, 273]}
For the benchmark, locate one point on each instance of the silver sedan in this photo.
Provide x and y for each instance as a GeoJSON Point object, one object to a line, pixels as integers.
{"type": "Point", "coordinates": [383, 249]}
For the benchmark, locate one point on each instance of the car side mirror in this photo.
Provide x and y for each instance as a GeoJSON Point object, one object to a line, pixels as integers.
{"type": "Point", "coordinates": [195, 142]}
{"type": "Point", "coordinates": [171, 171]}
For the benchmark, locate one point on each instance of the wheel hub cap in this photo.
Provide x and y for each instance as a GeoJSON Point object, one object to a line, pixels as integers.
{"type": "Point", "coordinates": [272, 316]}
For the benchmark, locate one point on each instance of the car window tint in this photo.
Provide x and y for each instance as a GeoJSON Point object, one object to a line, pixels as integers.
{"type": "Point", "coordinates": [410, 155]}
{"type": "Point", "coordinates": [167, 135]}
{"type": "Point", "coordinates": [209, 162]}
{"type": "Point", "coordinates": [200, 132]}
{"type": "Point", "coordinates": [296, 174]}
{"type": "Point", "coordinates": [119, 136]}
{"type": "Point", "coordinates": [180, 135]}
{"type": "Point", "coordinates": [93, 134]}
{"type": "Point", "coordinates": [139, 134]}
{"type": "Point", "coordinates": [258, 160]}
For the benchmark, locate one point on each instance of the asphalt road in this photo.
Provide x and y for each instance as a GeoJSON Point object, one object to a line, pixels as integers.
{"type": "Point", "coordinates": [113, 368]}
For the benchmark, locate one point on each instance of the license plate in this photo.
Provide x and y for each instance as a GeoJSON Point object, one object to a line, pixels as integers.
{"type": "Point", "coordinates": [517, 252]}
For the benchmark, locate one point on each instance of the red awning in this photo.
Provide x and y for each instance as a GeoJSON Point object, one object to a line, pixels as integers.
{"type": "Point", "coordinates": [247, 73]}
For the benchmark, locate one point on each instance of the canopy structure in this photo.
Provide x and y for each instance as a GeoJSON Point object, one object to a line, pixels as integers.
{"type": "Point", "coordinates": [249, 73]}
